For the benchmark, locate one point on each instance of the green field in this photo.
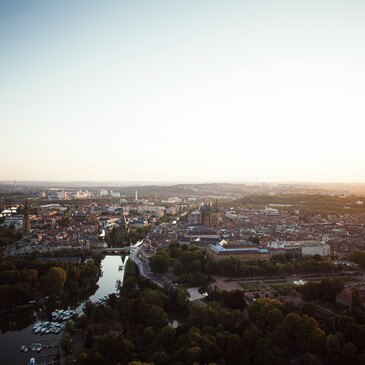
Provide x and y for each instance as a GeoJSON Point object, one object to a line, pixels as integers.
{"type": "Point", "coordinates": [251, 286]}
{"type": "Point", "coordinates": [274, 281]}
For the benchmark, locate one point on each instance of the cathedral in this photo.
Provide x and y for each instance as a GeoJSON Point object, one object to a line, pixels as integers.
{"type": "Point", "coordinates": [209, 215]}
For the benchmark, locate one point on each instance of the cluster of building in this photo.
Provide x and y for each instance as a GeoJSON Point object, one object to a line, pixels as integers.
{"type": "Point", "coordinates": [211, 230]}
{"type": "Point", "coordinates": [52, 227]}
{"type": "Point", "coordinates": [277, 226]}
{"type": "Point", "coordinates": [245, 233]}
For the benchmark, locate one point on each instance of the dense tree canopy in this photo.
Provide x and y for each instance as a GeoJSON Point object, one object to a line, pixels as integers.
{"type": "Point", "coordinates": [23, 280]}
{"type": "Point", "coordinates": [223, 331]}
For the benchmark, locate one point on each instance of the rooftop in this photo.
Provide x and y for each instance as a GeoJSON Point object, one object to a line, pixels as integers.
{"type": "Point", "coordinates": [219, 250]}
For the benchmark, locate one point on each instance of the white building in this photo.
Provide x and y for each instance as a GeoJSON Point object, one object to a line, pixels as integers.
{"type": "Point", "coordinates": [321, 249]}
{"type": "Point", "coordinates": [271, 211]}
{"type": "Point", "coordinates": [83, 194]}
{"type": "Point", "coordinates": [152, 209]}
{"type": "Point", "coordinates": [62, 194]}
{"type": "Point", "coordinates": [172, 200]}
{"type": "Point", "coordinates": [15, 221]}
{"type": "Point", "coordinates": [305, 248]}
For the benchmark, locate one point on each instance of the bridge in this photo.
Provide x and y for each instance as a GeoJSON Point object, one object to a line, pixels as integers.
{"type": "Point", "coordinates": [119, 250]}
{"type": "Point", "coordinates": [114, 250]}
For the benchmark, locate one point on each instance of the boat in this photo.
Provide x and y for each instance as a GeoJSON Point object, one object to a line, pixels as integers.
{"type": "Point", "coordinates": [22, 348]}
{"type": "Point", "coordinates": [26, 349]}
{"type": "Point", "coordinates": [32, 361]}
{"type": "Point", "coordinates": [37, 330]}
{"type": "Point", "coordinates": [39, 347]}
{"type": "Point", "coordinates": [34, 347]}
{"type": "Point", "coordinates": [37, 325]}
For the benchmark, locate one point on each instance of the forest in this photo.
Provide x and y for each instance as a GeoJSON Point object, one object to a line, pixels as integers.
{"type": "Point", "coordinates": [23, 280]}
{"type": "Point", "coordinates": [221, 331]}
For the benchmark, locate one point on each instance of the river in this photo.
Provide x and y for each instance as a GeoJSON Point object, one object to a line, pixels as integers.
{"type": "Point", "coordinates": [17, 330]}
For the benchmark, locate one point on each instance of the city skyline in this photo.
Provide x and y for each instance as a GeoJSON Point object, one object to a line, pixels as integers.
{"type": "Point", "coordinates": [182, 92]}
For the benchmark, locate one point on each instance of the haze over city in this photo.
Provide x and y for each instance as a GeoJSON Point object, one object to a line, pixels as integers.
{"type": "Point", "coordinates": [182, 91]}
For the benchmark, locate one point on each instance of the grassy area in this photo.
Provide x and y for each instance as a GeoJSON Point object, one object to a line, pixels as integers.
{"type": "Point", "coordinates": [274, 281]}
{"type": "Point", "coordinates": [347, 279]}
{"type": "Point", "coordinates": [250, 286]}
{"type": "Point", "coordinates": [282, 285]}
{"type": "Point", "coordinates": [314, 279]}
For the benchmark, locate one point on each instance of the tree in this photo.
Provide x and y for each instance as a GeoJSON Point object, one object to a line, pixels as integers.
{"type": "Point", "coordinates": [236, 300]}
{"type": "Point", "coordinates": [178, 268]}
{"type": "Point", "coordinates": [356, 300]}
{"type": "Point", "coordinates": [350, 354]}
{"type": "Point", "coordinates": [88, 308]}
{"type": "Point", "coordinates": [81, 321]}
{"type": "Point", "coordinates": [160, 358]}
{"type": "Point", "coordinates": [274, 317]}
{"type": "Point", "coordinates": [326, 290]}
{"type": "Point", "coordinates": [55, 279]}
{"type": "Point", "coordinates": [333, 346]}
{"type": "Point", "coordinates": [234, 349]}
{"type": "Point", "coordinates": [159, 263]}
{"type": "Point", "coordinates": [31, 276]}
{"type": "Point", "coordinates": [308, 359]}
{"type": "Point", "coordinates": [111, 347]}
{"type": "Point", "coordinates": [96, 359]}
{"type": "Point", "coordinates": [193, 354]}
{"type": "Point", "coordinates": [156, 317]}
{"type": "Point", "coordinates": [316, 342]}
{"type": "Point", "coordinates": [66, 342]}
{"type": "Point", "coordinates": [70, 326]}
{"type": "Point", "coordinates": [112, 300]}
{"type": "Point", "coordinates": [89, 340]}
{"type": "Point", "coordinates": [308, 308]}
{"type": "Point", "coordinates": [358, 257]}
{"type": "Point", "coordinates": [148, 335]}
{"type": "Point", "coordinates": [166, 337]}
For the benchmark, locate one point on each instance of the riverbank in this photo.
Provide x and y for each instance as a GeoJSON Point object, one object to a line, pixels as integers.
{"type": "Point", "coordinates": [17, 327]}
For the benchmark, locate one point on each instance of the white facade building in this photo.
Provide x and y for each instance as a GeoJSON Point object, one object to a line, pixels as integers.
{"type": "Point", "coordinates": [305, 248]}
{"type": "Point", "coordinates": [320, 249]}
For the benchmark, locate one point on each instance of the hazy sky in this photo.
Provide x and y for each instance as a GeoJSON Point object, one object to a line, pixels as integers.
{"type": "Point", "coordinates": [187, 90]}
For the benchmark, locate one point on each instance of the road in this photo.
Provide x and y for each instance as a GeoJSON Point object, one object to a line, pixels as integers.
{"type": "Point", "coordinates": [144, 267]}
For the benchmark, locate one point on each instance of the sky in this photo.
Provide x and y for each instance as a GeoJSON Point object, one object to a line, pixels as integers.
{"type": "Point", "coordinates": [193, 90]}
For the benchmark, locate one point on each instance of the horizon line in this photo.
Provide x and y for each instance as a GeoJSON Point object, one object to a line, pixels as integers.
{"type": "Point", "coordinates": [179, 182]}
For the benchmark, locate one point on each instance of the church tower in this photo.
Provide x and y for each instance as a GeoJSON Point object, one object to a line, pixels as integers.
{"type": "Point", "coordinates": [209, 214]}
{"type": "Point", "coordinates": [26, 220]}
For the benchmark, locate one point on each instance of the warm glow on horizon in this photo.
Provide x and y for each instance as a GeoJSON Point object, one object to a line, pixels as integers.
{"type": "Point", "coordinates": [182, 91]}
